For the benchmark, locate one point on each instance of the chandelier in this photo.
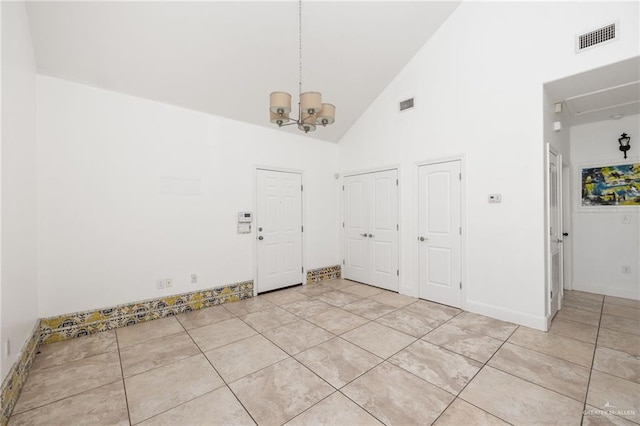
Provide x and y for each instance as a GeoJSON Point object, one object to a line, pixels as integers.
{"type": "Point", "coordinates": [311, 110]}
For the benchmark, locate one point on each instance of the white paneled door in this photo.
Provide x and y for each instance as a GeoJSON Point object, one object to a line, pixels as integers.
{"type": "Point", "coordinates": [439, 232]}
{"type": "Point", "coordinates": [554, 192]}
{"type": "Point", "coordinates": [371, 229]}
{"type": "Point", "coordinates": [278, 229]}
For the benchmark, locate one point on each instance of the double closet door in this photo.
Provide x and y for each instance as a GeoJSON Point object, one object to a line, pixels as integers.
{"type": "Point", "coordinates": [371, 229]}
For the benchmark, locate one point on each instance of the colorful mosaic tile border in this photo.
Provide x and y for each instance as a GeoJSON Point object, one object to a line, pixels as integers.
{"type": "Point", "coordinates": [323, 274]}
{"type": "Point", "coordinates": [63, 327]}
{"type": "Point", "coordinates": [17, 376]}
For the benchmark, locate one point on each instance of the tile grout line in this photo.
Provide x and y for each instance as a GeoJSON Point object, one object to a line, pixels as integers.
{"type": "Point", "coordinates": [174, 362]}
{"type": "Point", "coordinates": [593, 359]}
{"type": "Point", "coordinates": [335, 336]}
{"type": "Point", "coordinates": [71, 395]}
{"type": "Point", "coordinates": [124, 386]}
{"type": "Point", "coordinates": [216, 370]}
{"type": "Point", "coordinates": [457, 396]}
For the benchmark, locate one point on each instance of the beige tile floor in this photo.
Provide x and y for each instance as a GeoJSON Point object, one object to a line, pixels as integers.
{"type": "Point", "coordinates": [345, 354]}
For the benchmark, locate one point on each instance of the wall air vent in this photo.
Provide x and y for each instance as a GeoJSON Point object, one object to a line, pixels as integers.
{"type": "Point", "coordinates": [596, 37]}
{"type": "Point", "coordinates": [408, 104]}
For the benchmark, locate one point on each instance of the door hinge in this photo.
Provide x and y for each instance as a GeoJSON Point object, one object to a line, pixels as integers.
{"type": "Point", "coordinates": [343, 261]}
{"type": "Point", "coordinates": [459, 176]}
{"type": "Point", "coordinates": [397, 227]}
{"type": "Point", "coordinates": [552, 295]}
{"type": "Point", "coordinates": [301, 188]}
{"type": "Point", "coordinates": [302, 228]}
{"type": "Point", "coordinates": [460, 230]}
{"type": "Point", "coordinates": [460, 285]}
{"type": "Point", "coordinates": [396, 182]}
{"type": "Point", "coordinates": [343, 224]}
{"type": "Point", "coordinates": [343, 187]}
{"type": "Point", "coordinates": [302, 269]}
{"type": "Point", "coordinates": [398, 272]}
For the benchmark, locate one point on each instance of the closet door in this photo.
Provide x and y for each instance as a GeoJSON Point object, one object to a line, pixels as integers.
{"type": "Point", "coordinates": [383, 230]}
{"type": "Point", "coordinates": [439, 239]}
{"type": "Point", "coordinates": [371, 229]}
{"type": "Point", "coordinates": [356, 224]}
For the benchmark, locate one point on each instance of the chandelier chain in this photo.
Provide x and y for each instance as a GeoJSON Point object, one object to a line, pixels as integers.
{"type": "Point", "coordinates": [300, 45]}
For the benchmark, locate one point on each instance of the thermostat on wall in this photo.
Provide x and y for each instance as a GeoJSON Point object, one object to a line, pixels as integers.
{"type": "Point", "coordinates": [245, 217]}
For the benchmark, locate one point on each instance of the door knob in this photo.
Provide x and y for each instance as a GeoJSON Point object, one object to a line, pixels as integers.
{"type": "Point", "coordinates": [364, 235]}
{"type": "Point", "coordinates": [370, 235]}
{"type": "Point", "coordinates": [261, 237]}
{"type": "Point", "coordinates": [422, 238]}
{"type": "Point", "coordinates": [566, 234]}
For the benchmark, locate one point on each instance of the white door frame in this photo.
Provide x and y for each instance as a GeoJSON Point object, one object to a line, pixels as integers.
{"type": "Point", "coordinates": [567, 224]}
{"type": "Point", "coordinates": [342, 211]}
{"type": "Point", "coordinates": [463, 221]}
{"type": "Point", "coordinates": [255, 210]}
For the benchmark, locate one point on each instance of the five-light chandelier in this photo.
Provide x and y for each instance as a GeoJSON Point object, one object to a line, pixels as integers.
{"type": "Point", "coordinates": [311, 110]}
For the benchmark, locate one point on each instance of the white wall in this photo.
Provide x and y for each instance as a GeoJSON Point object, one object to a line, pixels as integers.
{"type": "Point", "coordinates": [19, 310]}
{"type": "Point", "coordinates": [106, 230]}
{"type": "Point", "coordinates": [602, 242]}
{"type": "Point", "coordinates": [478, 87]}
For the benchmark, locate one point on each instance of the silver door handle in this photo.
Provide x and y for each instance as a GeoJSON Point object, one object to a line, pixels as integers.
{"type": "Point", "coordinates": [422, 238]}
{"type": "Point", "coordinates": [370, 235]}
{"type": "Point", "coordinates": [364, 235]}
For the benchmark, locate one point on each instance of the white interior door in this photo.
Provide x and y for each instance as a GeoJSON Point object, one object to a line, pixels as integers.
{"type": "Point", "coordinates": [554, 192]}
{"type": "Point", "coordinates": [279, 229]}
{"type": "Point", "coordinates": [383, 230]}
{"type": "Point", "coordinates": [356, 227]}
{"type": "Point", "coordinates": [371, 229]}
{"type": "Point", "coordinates": [439, 227]}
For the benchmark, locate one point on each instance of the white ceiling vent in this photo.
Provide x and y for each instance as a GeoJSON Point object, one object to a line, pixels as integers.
{"type": "Point", "coordinates": [406, 104]}
{"type": "Point", "coordinates": [596, 37]}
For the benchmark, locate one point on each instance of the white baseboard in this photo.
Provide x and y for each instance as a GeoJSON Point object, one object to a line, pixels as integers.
{"type": "Point", "coordinates": [626, 293]}
{"type": "Point", "coordinates": [503, 314]}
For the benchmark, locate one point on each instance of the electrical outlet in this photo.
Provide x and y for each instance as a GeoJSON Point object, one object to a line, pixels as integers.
{"type": "Point", "coordinates": [160, 284]}
{"type": "Point", "coordinates": [168, 283]}
{"type": "Point", "coordinates": [7, 348]}
{"type": "Point", "coordinates": [626, 269]}
{"type": "Point", "coordinates": [194, 278]}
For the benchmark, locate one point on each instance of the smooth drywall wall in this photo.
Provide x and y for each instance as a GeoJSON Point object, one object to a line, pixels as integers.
{"type": "Point", "coordinates": [132, 191]}
{"type": "Point", "coordinates": [605, 239]}
{"type": "Point", "coordinates": [18, 286]}
{"type": "Point", "coordinates": [478, 88]}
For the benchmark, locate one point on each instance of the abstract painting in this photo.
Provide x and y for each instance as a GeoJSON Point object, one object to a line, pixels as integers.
{"type": "Point", "coordinates": [611, 185]}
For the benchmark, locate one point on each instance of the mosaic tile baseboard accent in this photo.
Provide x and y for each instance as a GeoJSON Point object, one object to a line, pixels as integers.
{"type": "Point", "coordinates": [69, 326]}
{"type": "Point", "coordinates": [17, 376]}
{"type": "Point", "coordinates": [323, 274]}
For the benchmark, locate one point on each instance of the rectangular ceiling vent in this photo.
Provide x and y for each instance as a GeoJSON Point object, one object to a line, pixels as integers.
{"type": "Point", "coordinates": [596, 37]}
{"type": "Point", "coordinates": [408, 104]}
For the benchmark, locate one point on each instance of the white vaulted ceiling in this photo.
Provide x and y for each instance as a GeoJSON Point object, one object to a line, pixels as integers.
{"type": "Point", "coordinates": [224, 58]}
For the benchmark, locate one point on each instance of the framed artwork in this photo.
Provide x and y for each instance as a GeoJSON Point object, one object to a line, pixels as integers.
{"type": "Point", "coordinates": [617, 185]}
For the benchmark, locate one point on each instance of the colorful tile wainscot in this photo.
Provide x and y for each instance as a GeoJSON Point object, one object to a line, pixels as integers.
{"type": "Point", "coordinates": [17, 376]}
{"type": "Point", "coordinates": [79, 324]}
{"type": "Point", "coordinates": [69, 326]}
{"type": "Point", "coordinates": [323, 274]}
